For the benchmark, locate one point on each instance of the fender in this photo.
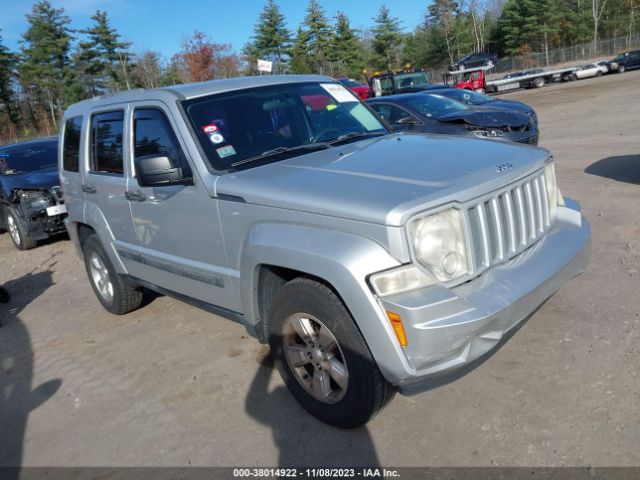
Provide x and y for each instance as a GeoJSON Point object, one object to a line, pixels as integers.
{"type": "Point", "coordinates": [94, 217]}
{"type": "Point", "coordinates": [341, 259]}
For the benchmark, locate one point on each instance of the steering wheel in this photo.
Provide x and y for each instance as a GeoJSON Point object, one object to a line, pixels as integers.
{"type": "Point", "coordinates": [324, 133]}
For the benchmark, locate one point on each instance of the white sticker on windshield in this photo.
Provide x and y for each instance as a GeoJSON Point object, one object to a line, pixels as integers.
{"type": "Point", "coordinates": [339, 93]}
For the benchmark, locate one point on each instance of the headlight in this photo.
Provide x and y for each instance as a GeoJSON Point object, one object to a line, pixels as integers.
{"type": "Point", "coordinates": [401, 279]}
{"type": "Point", "coordinates": [553, 193]}
{"type": "Point", "coordinates": [439, 244]}
{"type": "Point", "coordinates": [35, 201]}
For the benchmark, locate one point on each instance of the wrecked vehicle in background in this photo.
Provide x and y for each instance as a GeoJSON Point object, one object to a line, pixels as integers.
{"type": "Point", "coordinates": [428, 112]}
{"type": "Point", "coordinates": [31, 203]}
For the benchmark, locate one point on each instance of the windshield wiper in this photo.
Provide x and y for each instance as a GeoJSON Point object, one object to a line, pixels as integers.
{"type": "Point", "coordinates": [309, 147]}
{"type": "Point", "coordinates": [350, 136]}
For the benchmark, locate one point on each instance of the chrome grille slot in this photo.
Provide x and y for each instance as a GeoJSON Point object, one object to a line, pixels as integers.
{"type": "Point", "coordinates": [507, 222]}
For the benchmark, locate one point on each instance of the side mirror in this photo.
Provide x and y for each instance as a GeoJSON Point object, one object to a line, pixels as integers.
{"type": "Point", "coordinates": [407, 121]}
{"type": "Point", "coordinates": [157, 171]}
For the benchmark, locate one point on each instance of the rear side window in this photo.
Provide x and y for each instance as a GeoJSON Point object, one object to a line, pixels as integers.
{"type": "Point", "coordinates": [71, 146]}
{"type": "Point", "coordinates": [106, 143]}
{"type": "Point", "coordinates": [154, 136]}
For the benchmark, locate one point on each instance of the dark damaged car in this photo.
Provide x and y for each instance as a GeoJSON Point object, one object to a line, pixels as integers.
{"type": "Point", "coordinates": [435, 113]}
{"type": "Point", "coordinates": [31, 203]}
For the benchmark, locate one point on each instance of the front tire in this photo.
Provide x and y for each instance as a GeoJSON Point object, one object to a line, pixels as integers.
{"type": "Point", "coordinates": [114, 295]}
{"type": "Point", "coordinates": [621, 68]}
{"type": "Point", "coordinates": [538, 82]}
{"type": "Point", "coordinates": [17, 230]}
{"type": "Point", "coordinates": [322, 357]}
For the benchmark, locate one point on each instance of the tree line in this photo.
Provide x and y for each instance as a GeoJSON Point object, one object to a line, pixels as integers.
{"type": "Point", "coordinates": [57, 65]}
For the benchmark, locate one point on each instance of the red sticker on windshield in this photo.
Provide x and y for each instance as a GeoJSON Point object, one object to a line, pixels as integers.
{"type": "Point", "coordinates": [211, 128]}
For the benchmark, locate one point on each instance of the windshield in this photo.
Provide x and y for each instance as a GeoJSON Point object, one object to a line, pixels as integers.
{"type": "Point", "coordinates": [236, 126]}
{"type": "Point", "coordinates": [433, 105]}
{"type": "Point", "coordinates": [467, 96]}
{"type": "Point", "coordinates": [411, 80]}
{"type": "Point", "coordinates": [28, 158]}
{"type": "Point", "coordinates": [620, 58]}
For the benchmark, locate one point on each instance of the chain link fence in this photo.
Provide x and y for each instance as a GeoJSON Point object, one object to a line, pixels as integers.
{"type": "Point", "coordinates": [604, 49]}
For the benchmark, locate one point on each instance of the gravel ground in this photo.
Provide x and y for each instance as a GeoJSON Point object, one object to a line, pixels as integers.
{"type": "Point", "coordinates": [173, 385]}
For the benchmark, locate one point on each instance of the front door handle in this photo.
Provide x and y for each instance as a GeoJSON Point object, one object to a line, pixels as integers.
{"type": "Point", "coordinates": [89, 189]}
{"type": "Point", "coordinates": [135, 196]}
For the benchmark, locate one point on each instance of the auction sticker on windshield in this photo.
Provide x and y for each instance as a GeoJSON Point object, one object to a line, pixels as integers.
{"type": "Point", "coordinates": [339, 93]}
{"type": "Point", "coordinates": [226, 151]}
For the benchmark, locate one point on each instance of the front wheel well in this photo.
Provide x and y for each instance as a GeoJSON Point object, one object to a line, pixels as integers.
{"type": "Point", "coordinates": [84, 232]}
{"type": "Point", "coordinates": [270, 278]}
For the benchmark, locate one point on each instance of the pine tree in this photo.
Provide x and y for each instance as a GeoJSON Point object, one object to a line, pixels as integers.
{"type": "Point", "coordinates": [104, 55]}
{"type": "Point", "coordinates": [271, 36]}
{"type": "Point", "coordinates": [45, 57]}
{"type": "Point", "coordinates": [346, 53]}
{"type": "Point", "coordinates": [300, 53]}
{"type": "Point", "coordinates": [311, 46]}
{"type": "Point", "coordinates": [7, 102]}
{"type": "Point", "coordinates": [387, 38]}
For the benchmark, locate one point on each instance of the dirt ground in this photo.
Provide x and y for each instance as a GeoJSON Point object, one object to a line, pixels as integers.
{"type": "Point", "coordinates": [173, 385]}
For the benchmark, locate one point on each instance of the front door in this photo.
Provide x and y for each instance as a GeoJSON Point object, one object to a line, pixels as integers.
{"type": "Point", "coordinates": [177, 226]}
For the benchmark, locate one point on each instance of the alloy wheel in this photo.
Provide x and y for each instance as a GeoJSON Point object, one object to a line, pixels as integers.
{"type": "Point", "coordinates": [100, 277]}
{"type": "Point", "coordinates": [13, 229]}
{"type": "Point", "coordinates": [315, 358]}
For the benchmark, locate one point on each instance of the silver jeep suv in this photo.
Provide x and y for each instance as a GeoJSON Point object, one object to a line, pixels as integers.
{"type": "Point", "coordinates": [369, 261]}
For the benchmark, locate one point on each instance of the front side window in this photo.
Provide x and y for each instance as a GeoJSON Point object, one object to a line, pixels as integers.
{"type": "Point", "coordinates": [234, 128]}
{"type": "Point", "coordinates": [106, 143]}
{"type": "Point", "coordinates": [154, 136]}
{"type": "Point", "coordinates": [391, 113]}
{"type": "Point", "coordinates": [71, 146]}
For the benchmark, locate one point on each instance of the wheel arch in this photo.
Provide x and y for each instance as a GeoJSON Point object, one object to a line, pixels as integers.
{"type": "Point", "coordinates": [273, 254]}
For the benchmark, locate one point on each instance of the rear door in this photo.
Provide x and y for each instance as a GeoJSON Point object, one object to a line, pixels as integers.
{"type": "Point", "coordinates": [104, 185]}
{"type": "Point", "coordinates": [177, 226]}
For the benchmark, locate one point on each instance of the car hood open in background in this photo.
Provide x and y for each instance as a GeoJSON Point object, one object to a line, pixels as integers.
{"type": "Point", "coordinates": [384, 179]}
{"type": "Point", "coordinates": [487, 118]}
{"type": "Point", "coordinates": [43, 178]}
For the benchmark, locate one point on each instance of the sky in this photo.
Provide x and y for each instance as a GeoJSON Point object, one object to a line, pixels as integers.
{"type": "Point", "coordinates": [163, 25]}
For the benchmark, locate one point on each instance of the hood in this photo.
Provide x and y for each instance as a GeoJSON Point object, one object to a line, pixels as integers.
{"type": "Point", "coordinates": [511, 105]}
{"type": "Point", "coordinates": [43, 178]}
{"type": "Point", "coordinates": [384, 180]}
{"type": "Point", "coordinates": [486, 118]}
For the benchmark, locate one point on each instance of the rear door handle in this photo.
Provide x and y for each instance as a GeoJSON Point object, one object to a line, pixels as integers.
{"type": "Point", "coordinates": [136, 196]}
{"type": "Point", "coordinates": [89, 189]}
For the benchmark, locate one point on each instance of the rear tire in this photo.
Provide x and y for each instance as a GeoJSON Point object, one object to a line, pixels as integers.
{"type": "Point", "coordinates": [114, 295]}
{"type": "Point", "coordinates": [598, 73]}
{"type": "Point", "coordinates": [322, 357]}
{"type": "Point", "coordinates": [539, 82]}
{"type": "Point", "coordinates": [17, 230]}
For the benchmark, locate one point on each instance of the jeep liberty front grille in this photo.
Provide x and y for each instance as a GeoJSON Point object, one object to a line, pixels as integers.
{"type": "Point", "coordinates": [508, 222]}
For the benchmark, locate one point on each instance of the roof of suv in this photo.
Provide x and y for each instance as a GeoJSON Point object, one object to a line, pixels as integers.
{"type": "Point", "coordinates": [188, 91]}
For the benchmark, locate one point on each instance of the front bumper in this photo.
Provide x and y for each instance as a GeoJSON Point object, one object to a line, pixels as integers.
{"type": "Point", "coordinates": [447, 328]}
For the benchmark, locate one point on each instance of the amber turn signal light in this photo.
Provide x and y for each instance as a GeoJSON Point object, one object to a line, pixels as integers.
{"type": "Point", "coordinates": [398, 328]}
